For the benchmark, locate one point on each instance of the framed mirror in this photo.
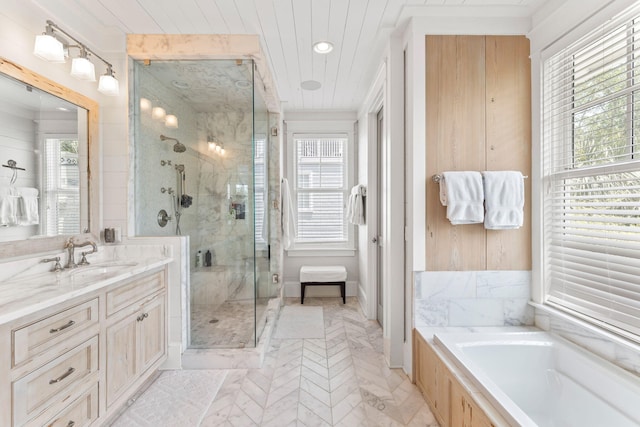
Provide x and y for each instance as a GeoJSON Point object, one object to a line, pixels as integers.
{"type": "Point", "coordinates": [48, 163]}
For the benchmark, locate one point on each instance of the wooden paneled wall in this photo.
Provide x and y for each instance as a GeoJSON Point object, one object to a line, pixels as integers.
{"type": "Point", "coordinates": [478, 117]}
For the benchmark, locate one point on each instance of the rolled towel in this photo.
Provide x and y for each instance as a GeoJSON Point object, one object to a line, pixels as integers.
{"type": "Point", "coordinates": [504, 200]}
{"type": "Point", "coordinates": [463, 196]}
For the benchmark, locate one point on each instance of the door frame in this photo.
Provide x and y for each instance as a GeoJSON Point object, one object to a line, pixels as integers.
{"type": "Point", "coordinates": [368, 259]}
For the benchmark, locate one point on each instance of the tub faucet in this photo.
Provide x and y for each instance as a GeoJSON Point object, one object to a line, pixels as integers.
{"type": "Point", "coordinates": [70, 247]}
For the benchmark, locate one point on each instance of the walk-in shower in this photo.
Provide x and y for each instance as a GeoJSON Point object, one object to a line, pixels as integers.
{"type": "Point", "coordinates": [219, 198]}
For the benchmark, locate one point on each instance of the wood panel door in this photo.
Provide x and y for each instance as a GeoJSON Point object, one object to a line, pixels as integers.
{"type": "Point", "coordinates": [122, 356]}
{"type": "Point", "coordinates": [152, 333]}
{"type": "Point", "coordinates": [455, 129]}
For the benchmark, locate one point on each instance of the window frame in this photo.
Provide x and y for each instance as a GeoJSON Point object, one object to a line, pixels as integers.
{"type": "Point", "coordinates": [321, 129]}
{"type": "Point", "coordinates": [561, 127]}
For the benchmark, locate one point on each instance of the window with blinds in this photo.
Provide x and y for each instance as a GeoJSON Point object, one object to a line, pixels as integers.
{"type": "Point", "coordinates": [591, 156]}
{"type": "Point", "coordinates": [321, 189]}
{"type": "Point", "coordinates": [260, 194]}
{"type": "Point", "coordinates": [61, 187]}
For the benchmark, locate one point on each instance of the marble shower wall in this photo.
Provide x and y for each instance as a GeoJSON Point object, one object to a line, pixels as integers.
{"type": "Point", "coordinates": [472, 298]}
{"type": "Point", "coordinates": [221, 186]}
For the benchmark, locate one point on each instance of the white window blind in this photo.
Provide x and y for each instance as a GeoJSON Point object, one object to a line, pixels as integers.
{"type": "Point", "coordinates": [321, 189]}
{"type": "Point", "coordinates": [61, 187]}
{"type": "Point", "coordinates": [591, 155]}
{"type": "Point", "coordinates": [260, 182]}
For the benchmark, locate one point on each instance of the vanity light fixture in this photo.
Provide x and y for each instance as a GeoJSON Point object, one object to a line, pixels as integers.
{"type": "Point", "coordinates": [48, 47]}
{"type": "Point", "coordinates": [323, 47]}
{"type": "Point", "coordinates": [82, 68]}
{"type": "Point", "coordinates": [171, 121]}
{"type": "Point", "coordinates": [108, 84]}
{"type": "Point", "coordinates": [53, 46]}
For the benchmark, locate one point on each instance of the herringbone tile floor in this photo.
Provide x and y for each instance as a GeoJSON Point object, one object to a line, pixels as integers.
{"type": "Point", "coordinates": [341, 380]}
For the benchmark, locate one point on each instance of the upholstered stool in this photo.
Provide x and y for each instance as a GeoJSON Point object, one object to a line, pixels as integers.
{"type": "Point", "coordinates": [332, 275]}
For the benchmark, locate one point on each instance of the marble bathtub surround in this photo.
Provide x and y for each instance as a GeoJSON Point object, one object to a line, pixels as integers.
{"type": "Point", "coordinates": [619, 351]}
{"type": "Point", "coordinates": [472, 298]}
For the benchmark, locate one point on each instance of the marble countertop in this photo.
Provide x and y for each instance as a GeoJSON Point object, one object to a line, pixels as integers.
{"type": "Point", "coordinates": [24, 295]}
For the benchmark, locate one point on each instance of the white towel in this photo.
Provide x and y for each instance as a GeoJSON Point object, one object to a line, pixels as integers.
{"type": "Point", "coordinates": [8, 206]}
{"type": "Point", "coordinates": [288, 215]}
{"type": "Point", "coordinates": [504, 200]}
{"type": "Point", "coordinates": [28, 206]}
{"type": "Point", "coordinates": [355, 205]}
{"type": "Point", "coordinates": [462, 195]}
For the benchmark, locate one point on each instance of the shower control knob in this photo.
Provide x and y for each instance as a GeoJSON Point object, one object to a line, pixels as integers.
{"type": "Point", "coordinates": [163, 218]}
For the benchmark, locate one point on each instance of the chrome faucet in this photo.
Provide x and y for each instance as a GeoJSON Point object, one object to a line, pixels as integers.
{"type": "Point", "coordinates": [70, 247]}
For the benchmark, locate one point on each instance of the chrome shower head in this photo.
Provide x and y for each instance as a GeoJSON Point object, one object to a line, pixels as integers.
{"type": "Point", "coordinates": [178, 146]}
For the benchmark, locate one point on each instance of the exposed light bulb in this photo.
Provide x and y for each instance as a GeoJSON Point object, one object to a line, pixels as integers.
{"type": "Point", "coordinates": [171, 121]}
{"type": "Point", "coordinates": [145, 104]}
{"type": "Point", "coordinates": [158, 113]}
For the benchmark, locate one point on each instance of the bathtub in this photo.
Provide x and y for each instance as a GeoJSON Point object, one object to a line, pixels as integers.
{"type": "Point", "coordinates": [537, 379]}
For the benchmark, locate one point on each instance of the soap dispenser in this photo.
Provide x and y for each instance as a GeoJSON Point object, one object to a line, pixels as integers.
{"type": "Point", "coordinates": [207, 259]}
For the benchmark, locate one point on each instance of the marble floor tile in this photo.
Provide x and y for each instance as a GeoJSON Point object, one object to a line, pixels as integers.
{"type": "Point", "coordinates": [340, 379]}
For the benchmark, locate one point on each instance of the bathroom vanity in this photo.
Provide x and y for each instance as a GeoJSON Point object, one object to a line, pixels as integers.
{"type": "Point", "coordinates": [78, 344]}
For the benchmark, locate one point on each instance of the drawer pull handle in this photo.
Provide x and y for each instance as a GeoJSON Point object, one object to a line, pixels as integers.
{"type": "Point", "coordinates": [63, 327]}
{"type": "Point", "coordinates": [63, 376]}
{"type": "Point", "coordinates": [142, 317]}
{"type": "Point", "coordinates": [71, 423]}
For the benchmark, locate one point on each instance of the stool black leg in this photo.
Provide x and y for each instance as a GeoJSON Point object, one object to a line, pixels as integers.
{"type": "Point", "coordinates": [342, 291]}
{"type": "Point", "coordinates": [302, 292]}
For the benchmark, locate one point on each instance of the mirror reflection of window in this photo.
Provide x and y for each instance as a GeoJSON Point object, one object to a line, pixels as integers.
{"type": "Point", "coordinates": [61, 186]}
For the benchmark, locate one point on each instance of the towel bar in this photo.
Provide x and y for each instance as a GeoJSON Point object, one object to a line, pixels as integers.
{"type": "Point", "coordinates": [437, 178]}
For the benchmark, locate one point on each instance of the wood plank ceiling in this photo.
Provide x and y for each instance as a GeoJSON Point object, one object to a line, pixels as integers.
{"type": "Point", "coordinates": [359, 30]}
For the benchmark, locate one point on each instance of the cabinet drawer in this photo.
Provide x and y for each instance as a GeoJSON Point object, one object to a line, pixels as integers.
{"type": "Point", "coordinates": [38, 337]}
{"type": "Point", "coordinates": [127, 294]}
{"type": "Point", "coordinates": [82, 412]}
{"type": "Point", "coordinates": [49, 385]}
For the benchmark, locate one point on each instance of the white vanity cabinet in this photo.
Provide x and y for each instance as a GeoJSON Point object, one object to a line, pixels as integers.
{"type": "Point", "coordinates": [76, 363]}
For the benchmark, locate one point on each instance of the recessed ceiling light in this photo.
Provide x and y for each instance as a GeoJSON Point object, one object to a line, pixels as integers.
{"type": "Point", "coordinates": [180, 84]}
{"type": "Point", "coordinates": [62, 109]}
{"type": "Point", "coordinates": [323, 47]}
{"type": "Point", "coordinates": [310, 85]}
{"type": "Point", "coordinates": [243, 84]}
